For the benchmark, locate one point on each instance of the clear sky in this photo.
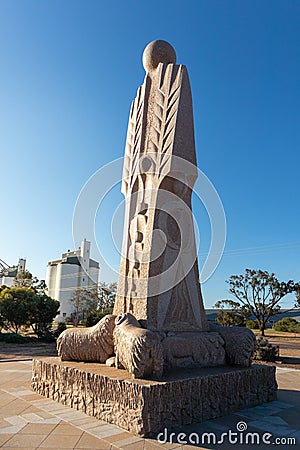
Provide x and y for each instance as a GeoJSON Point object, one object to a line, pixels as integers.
{"type": "Point", "coordinates": [68, 73]}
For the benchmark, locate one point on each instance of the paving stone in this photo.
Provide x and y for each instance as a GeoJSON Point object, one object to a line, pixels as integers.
{"type": "Point", "coordinates": [88, 421]}
{"type": "Point", "coordinates": [91, 442]}
{"type": "Point", "coordinates": [17, 448]}
{"type": "Point", "coordinates": [105, 431]}
{"type": "Point", "coordinates": [136, 446]}
{"type": "Point", "coordinates": [60, 441]}
{"type": "Point", "coordinates": [46, 415]}
{"type": "Point", "coordinates": [67, 429]}
{"type": "Point", "coordinates": [92, 425]}
{"type": "Point", "coordinates": [281, 405]}
{"type": "Point", "coordinates": [132, 440]}
{"type": "Point", "coordinates": [275, 420]}
{"type": "Point", "coordinates": [14, 429]}
{"type": "Point", "coordinates": [277, 430]}
{"type": "Point", "coordinates": [38, 428]}
{"type": "Point", "coordinates": [4, 438]}
{"type": "Point", "coordinates": [296, 436]}
{"type": "Point", "coordinates": [16, 420]}
{"type": "Point", "coordinates": [25, 440]}
{"type": "Point", "coordinates": [21, 393]}
{"type": "Point", "coordinates": [118, 437]}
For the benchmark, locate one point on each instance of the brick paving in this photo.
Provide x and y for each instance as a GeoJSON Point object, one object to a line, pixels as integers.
{"type": "Point", "coordinates": [29, 421]}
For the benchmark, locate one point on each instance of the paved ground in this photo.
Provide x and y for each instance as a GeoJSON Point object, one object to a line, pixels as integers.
{"type": "Point", "coordinates": [10, 351]}
{"type": "Point", "coordinates": [29, 421]}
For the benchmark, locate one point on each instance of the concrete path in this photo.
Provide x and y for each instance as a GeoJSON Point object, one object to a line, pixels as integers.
{"type": "Point", "coordinates": [29, 421]}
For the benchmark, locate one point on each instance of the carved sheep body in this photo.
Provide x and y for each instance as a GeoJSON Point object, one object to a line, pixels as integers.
{"type": "Point", "coordinates": [88, 344]}
{"type": "Point", "coordinates": [239, 344]}
{"type": "Point", "coordinates": [137, 350]}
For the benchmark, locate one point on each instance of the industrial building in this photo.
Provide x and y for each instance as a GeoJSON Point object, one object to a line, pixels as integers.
{"type": "Point", "coordinates": [74, 270]}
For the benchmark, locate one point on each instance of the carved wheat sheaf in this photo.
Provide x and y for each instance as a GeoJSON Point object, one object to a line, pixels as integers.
{"type": "Point", "coordinates": [134, 137]}
{"type": "Point", "coordinates": [165, 114]}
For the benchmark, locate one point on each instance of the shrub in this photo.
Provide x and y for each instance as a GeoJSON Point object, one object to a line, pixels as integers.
{"type": "Point", "coordinates": [264, 350]}
{"type": "Point", "coordinates": [14, 338]}
{"type": "Point", "coordinates": [287, 324]}
{"type": "Point", "coordinates": [295, 328]}
{"type": "Point", "coordinates": [95, 315]}
{"type": "Point", "coordinates": [252, 324]}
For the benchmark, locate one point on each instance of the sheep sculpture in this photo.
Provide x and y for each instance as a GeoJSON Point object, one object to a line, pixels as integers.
{"type": "Point", "coordinates": [88, 344]}
{"type": "Point", "coordinates": [137, 349]}
{"type": "Point", "coordinates": [239, 344]}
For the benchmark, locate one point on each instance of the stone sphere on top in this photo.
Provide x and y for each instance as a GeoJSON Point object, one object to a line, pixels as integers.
{"type": "Point", "coordinates": [158, 52]}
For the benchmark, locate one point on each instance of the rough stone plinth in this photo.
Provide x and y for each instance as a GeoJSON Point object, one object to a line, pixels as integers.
{"type": "Point", "coordinates": [146, 407]}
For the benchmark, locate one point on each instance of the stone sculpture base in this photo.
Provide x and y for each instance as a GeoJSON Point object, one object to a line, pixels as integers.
{"type": "Point", "coordinates": [146, 407]}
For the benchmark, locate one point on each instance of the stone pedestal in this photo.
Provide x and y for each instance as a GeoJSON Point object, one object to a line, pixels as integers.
{"type": "Point", "coordinates": [146, 407]}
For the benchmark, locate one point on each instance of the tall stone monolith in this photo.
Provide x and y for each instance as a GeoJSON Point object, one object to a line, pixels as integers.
{"type": "Point", "coordinates": [159, 279]}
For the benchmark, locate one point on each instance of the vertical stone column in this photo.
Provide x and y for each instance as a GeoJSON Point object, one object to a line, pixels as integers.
{"type": "Point", "coordinates": [159, 280]}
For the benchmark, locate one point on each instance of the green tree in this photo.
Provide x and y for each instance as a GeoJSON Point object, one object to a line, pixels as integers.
{"type": "Point", "coordinates": [94, 301]}
{"type": "Point", "coordinates": [85, 299]}
{"type": "Point", "coordinates": [24, 278]}
{"type": "Point", "coordinates": [259, 293]}
{"type": "Point", "coordinates": [14, 307]}
{"type": "Point", "coordinates": [42, 310]}
{"type": "Point", "coordinates": [107, 295]}
{"type": "Point", "coordinates": [235, 317]}
{"type": "Point", "coordinates": [27, 305]}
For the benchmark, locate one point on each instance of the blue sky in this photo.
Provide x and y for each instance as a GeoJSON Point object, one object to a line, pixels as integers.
{"type": "Point", "coordinates": [68, 73]}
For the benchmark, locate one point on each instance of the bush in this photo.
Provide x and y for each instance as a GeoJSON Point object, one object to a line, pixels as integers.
{"type": "Point", "coordinates": [264, 351]}
{"type": "Point", "coordinates": [14, 338]}
{"type": "Point", "coordinates": [94, 316]}
{"type": "Point", "coordinates": [252, 324]}
{"type": "Point", "coordinates": [295, 328]}
{"type": "Point", "coordinates": [287, 324]}
{"type": "Point", "coordinates": [61, 326]}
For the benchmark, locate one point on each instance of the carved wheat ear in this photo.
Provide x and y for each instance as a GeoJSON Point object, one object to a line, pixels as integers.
{"type": "Point", "coordinates": [165, 113]}
{"type": "Point", "coordinates": [139, 131]}
{"type": "Point", "coordinates": [134, 138]}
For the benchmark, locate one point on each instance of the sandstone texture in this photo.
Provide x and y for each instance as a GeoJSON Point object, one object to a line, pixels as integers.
{"type": "Point", "coordinates": [145, 407]}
